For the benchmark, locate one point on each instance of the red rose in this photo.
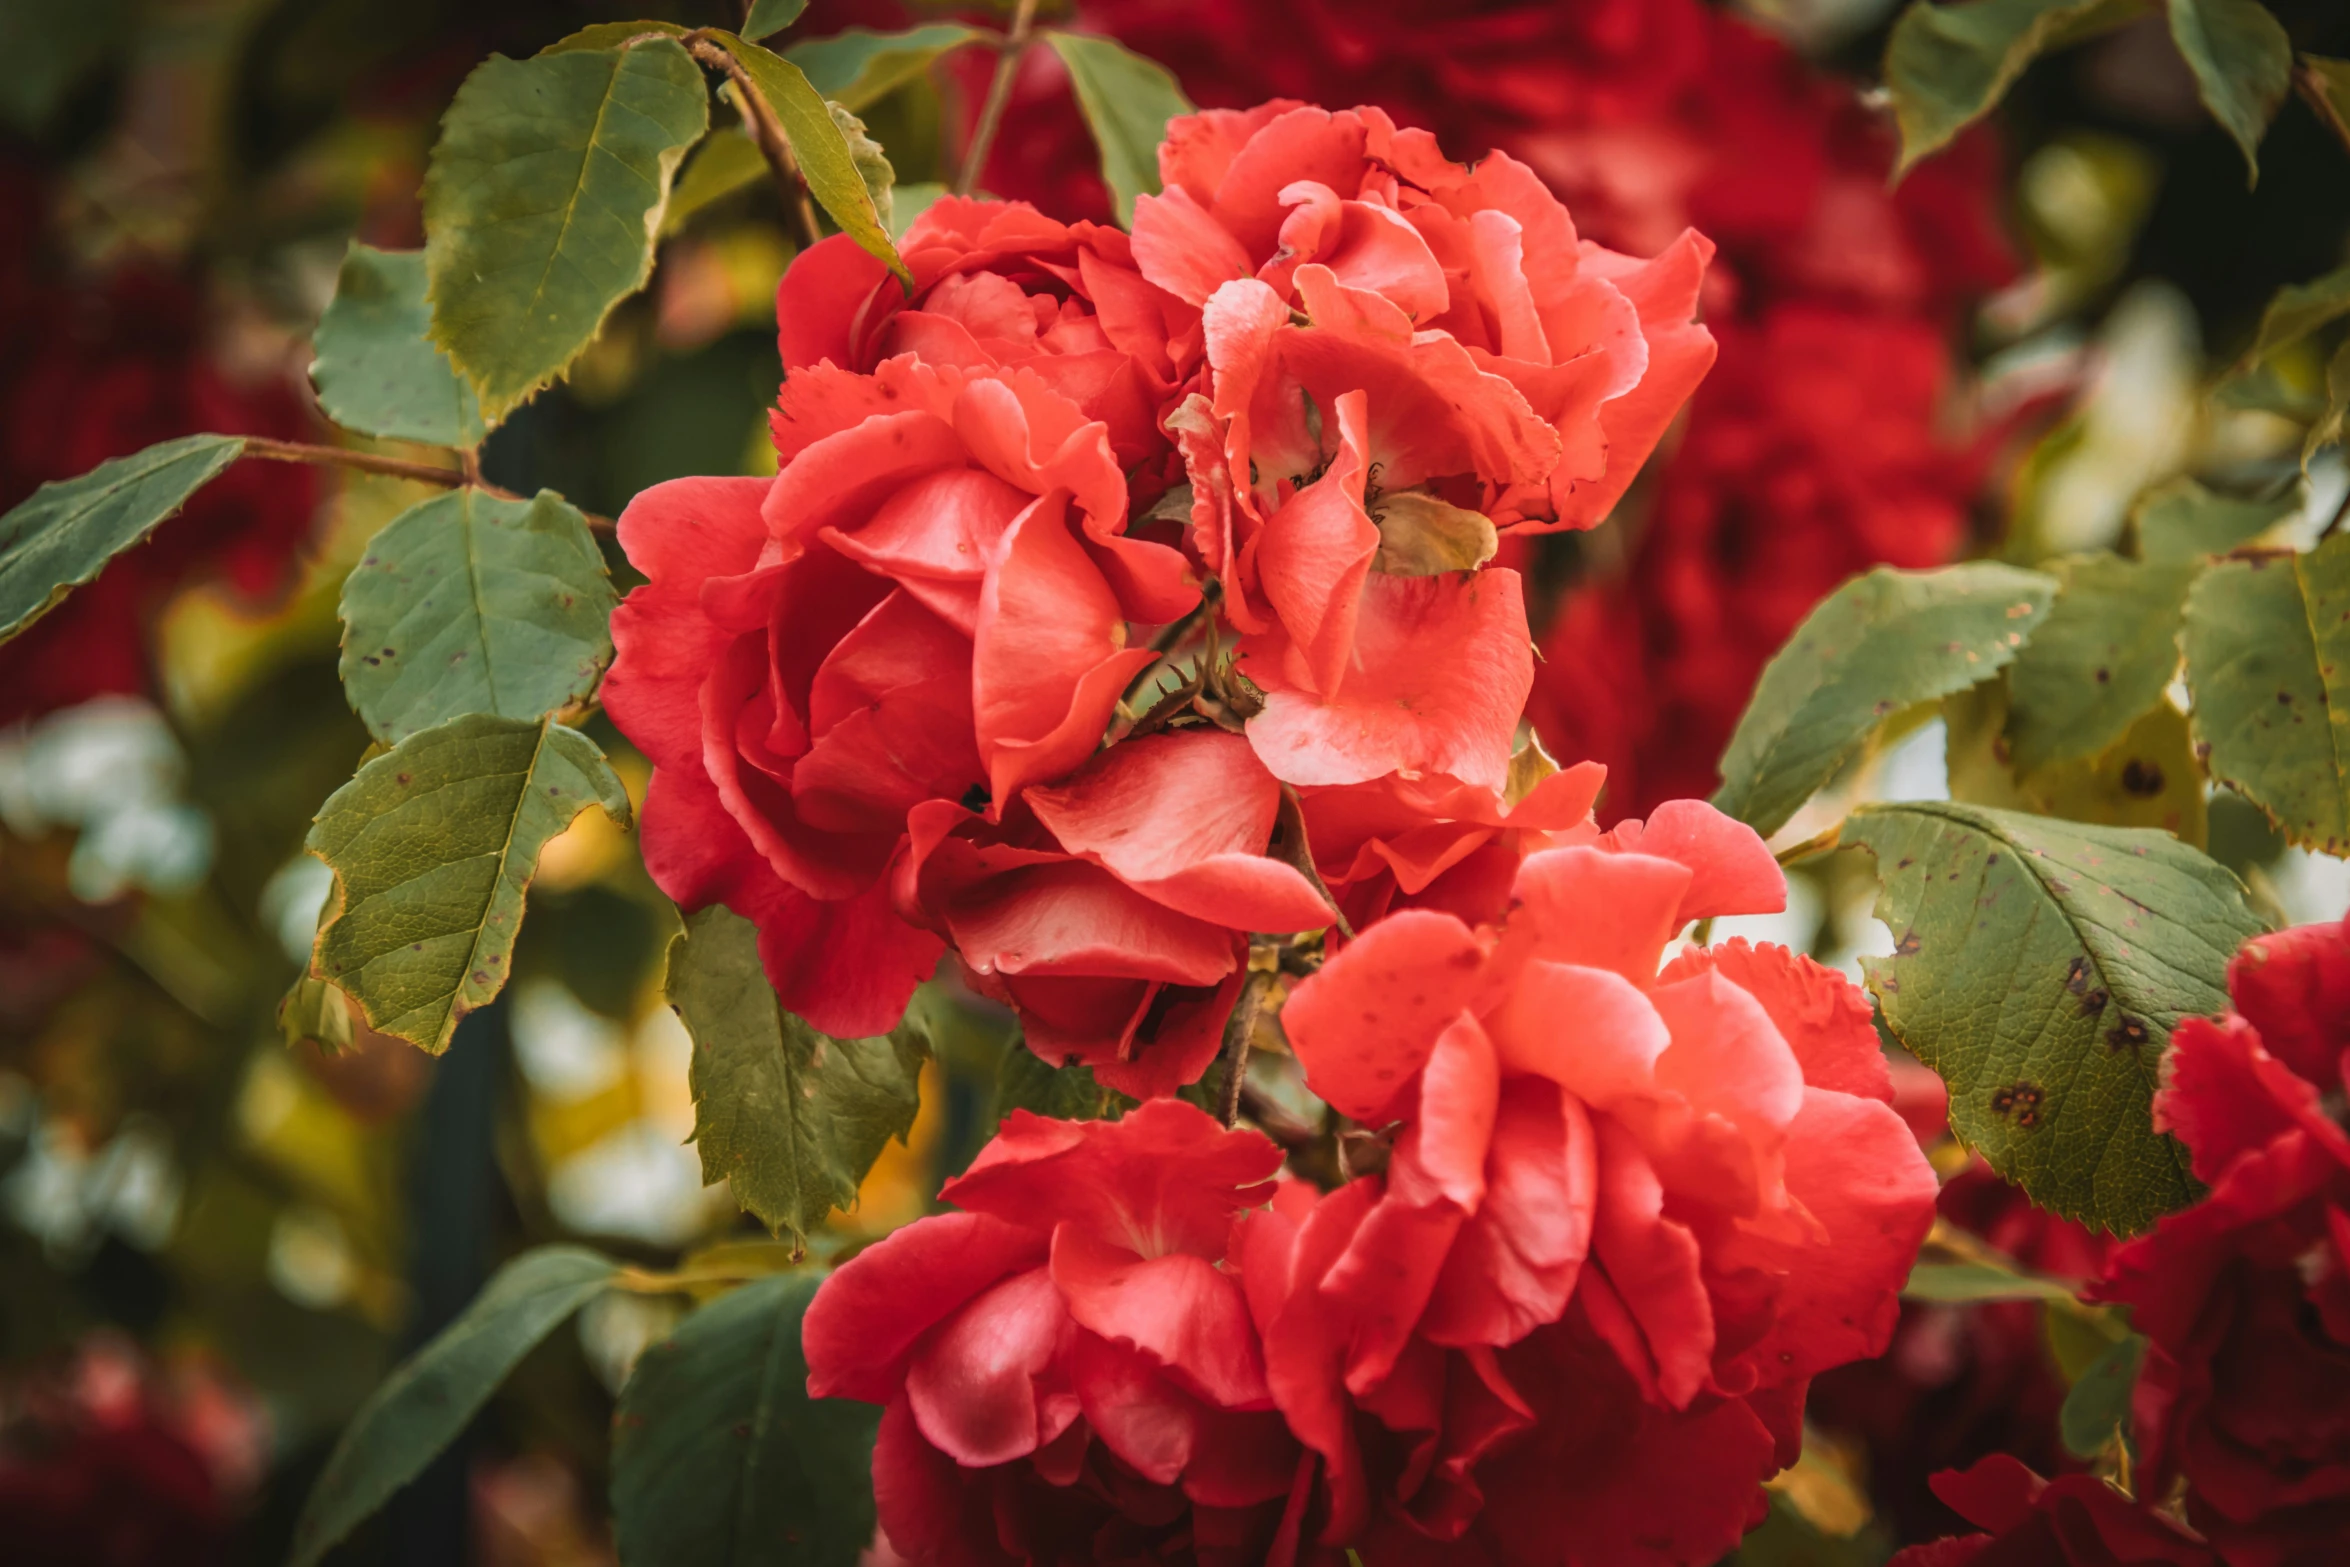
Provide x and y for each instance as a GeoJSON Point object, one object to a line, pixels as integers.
{"type": "Point", "coordinates": [929, 601]}
{"type": "Point", "coordinates": [2076, 1521]}
{"type": "Point", "coordinates": [999, 286]}
{"type": "Point", "coordinates": [2245, 1297]}
{"type": "Point", "coordinates": [1070, 1375]}
{"type": "Point", "coordinates": [1405, 359]}
{"type": "Point", "coordinates": [1111, 911]}
{"type": "Point", "coordinates": [1705, 1160]}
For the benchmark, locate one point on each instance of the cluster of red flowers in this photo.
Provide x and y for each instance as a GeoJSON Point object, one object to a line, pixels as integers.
{"type": "Point", "coordinates": [1121, 598]}
{"type": "Point", "coordinates": [101, 367]}
{"type": "Point", "coordinates": [1817, 451]}
{"type": "Point", "coordinates": [1573, 1320]}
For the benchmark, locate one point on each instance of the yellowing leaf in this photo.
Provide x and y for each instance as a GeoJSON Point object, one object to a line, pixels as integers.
{"type": "Point", "coordinates": [433, 845]}
{"type": "Point", "coordinates": [542, 203]}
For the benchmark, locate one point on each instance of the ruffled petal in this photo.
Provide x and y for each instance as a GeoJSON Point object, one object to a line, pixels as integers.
{"type": "Point", "coordinates": [1365, 1024]}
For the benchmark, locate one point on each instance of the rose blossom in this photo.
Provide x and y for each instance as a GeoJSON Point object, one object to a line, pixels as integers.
{"type": "Point", "coordinates": [1405, 359]}
{"type": "Point", "coordinates": [2074, 1521]}
{"type": "Point", "coordinates": [929, 601]}
{"type": "Point", "coordinates": [1704, 1160]}
{"type": "Point", "coordinates": [1070, 1376]}
{"type": "Point", "coordinates": [997, 286]}
{"type": "Point", "coordinates": [2245, 1297]}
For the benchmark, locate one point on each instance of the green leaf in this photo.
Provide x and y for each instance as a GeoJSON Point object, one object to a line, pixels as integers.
{"type": "Point", "coordinates": [1873, 647]}
{"type": "Point", "coordinates": [611, 35]}
{"type": "Point", "coordinates": [2268, 658]}
{"type": "Point", "coordinates": [872, 164]}
{"type": "Point", "coordinates": [721, 1459]}
{"type": "Point", "coordinates": [433, 846]}
{"type": "Point", "coordinates": [377, 371]}
{"type": "Point", "coordinates": [2039, 966]}
{"type": "Point", "coordinates": [315, 1012]}
{"type": "Point", "coordinates": [2183, 521]}
{"type": "Point", "coordinates": [2145, 778]}
{"type": "Point", "coordinates": [65, 532]}
{"type": "Point", "coordinates": [2297, 310]}
{"type": "Point", "coordinates": [857, 68]}
{"type": "Point", "coordinates": [772, 16]}
{"type": "Point", "coordinates": [1024, 1081]}
{"type": "Point", "coordinates": [473, 604]}
{"type": "Point", "coordinates": [1949, 65]}
{"type": "Point", "coordinates": [2326, 429]}
{"type": "Point", "coordinates": [1962, 1283]}
{"type": "Point", "coordinates": [2104, 655]}
{"type": "Point", "coordinates": [1127, 102]}
{"type": "Point", "coordinates": [791, 1117]}
{"type": "Point", "coordinates": [2243, 65]}
{"type": "Point", "coordinates": [908, 202]}
{"type": "Point", "coordinates": [2326, 84]}
{"type": "Point", "coordinates": [423, 1405]}
{"type": "Point", "coordinates": [827, 162]}
{"type": "Point", "coordinates": [727, 161]}
{"type": "Point", "coordinates": [2099, 1404]}
{"type": "Point", "coordinates": [542, 201]}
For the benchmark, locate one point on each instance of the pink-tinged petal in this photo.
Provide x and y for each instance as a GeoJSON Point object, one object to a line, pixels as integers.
{"type": "Point", "coordinates": [1136, 1412]}
{"type": "Point", "coordinates": [1164, 1179]}
{"type": "Point", "coordinates": [1727, 1055]}
{"type": "Point", "coordinates": [1305, 1350]}
{"type": "Point", "coordinates": [935, 534]}
{"type": "Point", "coordinates": [1364, 1025]}
{"type": "Point", "coordinates": [829, 299]}
{"type": "Point", "coordinates": [2225, 1095]}
{"type": "Point", "coordinates": [1440, 673]}
{"type": "Point", "coordinates": [1267, 438]}
{"type": "Point", "coordinates": [1823, 1016]}
{"type": "Point", "coordinates": [1590, 1030]}
{"type": "Point", "coordinates": [1452, 1128]}
{"type": "Point", "coordinates": [1190, 1319]}
{"type": "Point", "coordinates": [1198, 148]}
{"type": "Point", "coordinates": [1138, 318]}
{"type": "Point", "coordinates": [1076, 919]}
{"type": "Point", "coordinates": [1382, 1281]}
{"type": "Point", "coordinates": [1731, 870]}
{"type": "Point", "coordinates": [1176, 1034]}
{"type": "Point", "coordinates": [872, 1312]}
{"type": "Point", "coordinates": [1109, 389]}
{"type": "Point", "coordinates": [1049, 660]}
{"type": "Point", "coordinates": [1184, 250]}
{"type": "Point", "coordinates": [1434, 412]}
{"type": "Point", "coordinates": [2294, 986]}
{"type": "Point", "coordinates": [1856, 1169]}
{"type": "Point", "coordinates": [685, 530]}
{"type": "Point", "coordinates": [1199, 441]}
{"type": "Point", "coordinates": [1184, 818]}
{"type": "Point", "coordinates": [1653, 1263]}
{"type": "Point", "coordinates": [974, 1381]}
{"type": "Point", "coordinates": [1514, 1266]}
{"type": "Point", "coordinates": [839, 480]}
{"type": "Point", "coordinates": [928, 1509]}
{"type": "Point", "coordinates": [1315, 552]}
{"type": "Point", "coordinates": [1585, 906]}
{"type": "Point", "coordinates": [1305, 143]}
{"type": "Point", "coordinates": [848, 967]}
{"type": "Point", "coordinates": [1365, 245]}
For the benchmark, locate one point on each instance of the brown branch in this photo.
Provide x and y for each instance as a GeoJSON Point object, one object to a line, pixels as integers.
{"type": "Point", "coordinates": [766, 132]}
{"type": "Point", "coordinates": [999, 93]}
{"type": "Point", "coordinates": [1241, 1027]}
{"type": "Point", "coordinates": [468, 477]}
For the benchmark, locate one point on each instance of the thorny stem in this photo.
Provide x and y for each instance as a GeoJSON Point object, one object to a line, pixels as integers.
{"type": "Point", "coordinates": [999, 93]}
{"type": "Point", "coordinates": [766, 131]}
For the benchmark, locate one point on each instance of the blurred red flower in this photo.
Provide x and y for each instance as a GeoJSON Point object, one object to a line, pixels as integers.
{"type": "Point", "coordinates": [2075, 1521]}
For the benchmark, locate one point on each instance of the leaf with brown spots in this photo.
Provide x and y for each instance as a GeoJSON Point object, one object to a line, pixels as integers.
{"type": "Point", "coordinates": [433, 845]}
{"type": "Point", "coordinates": [2040, 967]}
{"type": "Point", "coordinates": [2103, 657]}
{"type": "Point", "coordinates": [2268, 659]}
